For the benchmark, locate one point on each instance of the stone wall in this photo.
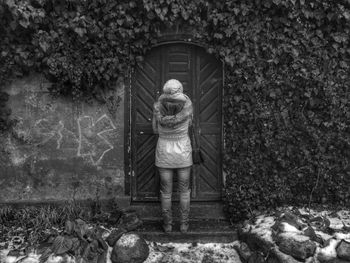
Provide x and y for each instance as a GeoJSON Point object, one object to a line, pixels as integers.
{"type": "Point", "coordinates": [60, 149]}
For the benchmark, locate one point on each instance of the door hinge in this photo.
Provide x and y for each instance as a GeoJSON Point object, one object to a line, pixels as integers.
{"type": "Point", "coordinates": [132, 173]}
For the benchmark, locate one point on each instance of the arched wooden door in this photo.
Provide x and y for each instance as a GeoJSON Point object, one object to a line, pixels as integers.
{"type": "Point", "coordinates": [201, 76]}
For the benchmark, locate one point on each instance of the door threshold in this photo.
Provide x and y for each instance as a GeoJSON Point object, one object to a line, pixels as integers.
{"type": "Point", "coordinates": [198, 210]}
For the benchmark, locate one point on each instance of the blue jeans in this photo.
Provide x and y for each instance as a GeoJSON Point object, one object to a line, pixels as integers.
{"type": "Point", "coordinates": [166, 179]}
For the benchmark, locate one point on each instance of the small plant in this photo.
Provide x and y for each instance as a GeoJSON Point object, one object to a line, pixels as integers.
{"type": "Point", "coordinates": [36, 221]}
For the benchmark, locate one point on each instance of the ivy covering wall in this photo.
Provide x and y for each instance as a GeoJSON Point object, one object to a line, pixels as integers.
{"type": "Point", "coordinates": [287, 99]}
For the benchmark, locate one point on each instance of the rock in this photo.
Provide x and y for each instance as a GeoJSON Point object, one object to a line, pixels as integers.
{"type": "Point", "coordinates": [243, 250]}
{"type": "Point", "coordinates": [312, 260]}
{"type": "Point", "coordinates": [293, 220]}
{"type": "Point", "coordinates": [276, 256]}
{"type": "Point", "coordinates": [115, 217]}
{"type": "Point", "coordinates": [324, 236]}
{"type": "Point", "coordinates": [130, 220]}
{"type": "Point", "coordinates": [115, 235]}
{"type": "Point", "coordinates": [343, 250]}
{"type": "Point", "coordinates": [15, 253]}
{"type": "Point", "coordinates": [102, 258]}
{"type": "Point", "coordinates": [280, 227]}
{"type": "Point", "coordinates": [256, 257]}
{"type": "Point", "coordinates": [130, 248]}
{"type": "Point", "coordinates": [257, 239]}
{"type": "Point", "coordinates": [296, 245]}
{"type": "Point", "coordinates": [335, 260]}
{"type": "Point", "coordinates": [310, 232]}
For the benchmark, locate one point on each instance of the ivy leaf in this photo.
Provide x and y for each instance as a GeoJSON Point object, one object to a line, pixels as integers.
{"type": "Point", "coordinates": [185, 14]}
{"type": "Point", "coordinates": [338, 37]}
{"type": "Point", "coordinates": [343, 64]}
{"type": "Point", "coordinates": [218, 35]}
{"type": "Point", "coordinates": [237, 98]}
{"type": "Point", "coordinates": [10, 3]}
{"type": "Point", "coordinates": [80, 31]}
{"type": "Point", "coordinates": [24, 23]}
{"type": "Point", "coordinates": [158, 10]}
{"type": "Point", "coordinates": [267, 4]}
{"type": "Point", "coordinates": [132, 4]}
{"type": "Point", "coordinates": [346, 14]}
{"type": "Point", "coordinates": [272, 94]}
{"type": "Point", "coordinates": [44, 45]}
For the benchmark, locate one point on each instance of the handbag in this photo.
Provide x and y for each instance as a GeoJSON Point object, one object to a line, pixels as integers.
{"type": "Point", "coordinates": [197, 155]}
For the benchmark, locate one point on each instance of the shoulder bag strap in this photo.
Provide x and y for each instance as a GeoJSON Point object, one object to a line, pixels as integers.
{"type": "Point", "coordinates": [194, 137]}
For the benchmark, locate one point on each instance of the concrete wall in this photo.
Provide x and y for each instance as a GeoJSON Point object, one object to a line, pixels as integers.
{"type": "Point", "coordinates": [60, 150]}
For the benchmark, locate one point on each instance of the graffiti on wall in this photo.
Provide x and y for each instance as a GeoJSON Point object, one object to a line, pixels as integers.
{"type": "Point", "coordinates": [93, 137]}
{"type": "Point", "coordinates": [48, 129]}
{"type": "Point", "coordinates": [45, 132]}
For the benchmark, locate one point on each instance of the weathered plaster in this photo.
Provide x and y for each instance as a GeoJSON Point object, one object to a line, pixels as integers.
{"type": "Point", "coordinates": [60, 149]}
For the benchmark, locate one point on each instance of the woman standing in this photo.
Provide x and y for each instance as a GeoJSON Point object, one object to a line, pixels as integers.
{"type": "Point", "coordinates": [171, 119]}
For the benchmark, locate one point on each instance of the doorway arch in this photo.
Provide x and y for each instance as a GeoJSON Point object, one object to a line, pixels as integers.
{"type": "Point", "coordinates": [202, 77]}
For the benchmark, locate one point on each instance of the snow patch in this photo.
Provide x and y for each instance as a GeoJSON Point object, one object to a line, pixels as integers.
{"type": "Point", "coordinates": [329, 251]}
{"type": "Point", "coordinates": [32, 258]}
{"type": "Point", "coordinates": [263, 227]}
{"type": "Point", "coordinates": [109, 253]}
{"type": "Point", "coordinates": [190, 253]}
{"type": "Point", "coordinates": [323, 235]}
{"type": "Point", "coordinates": [336, 223]}
{"type": "Point", "coordinates": [295, 236]}
{"type": "Point", "coordinates": [265, 221]}
{"type": "Point", "coordinates": [128, 240]}
{"type": "Point", "coordinates": [345, 236]}
{"type": "Point", "coordinates": [289, 228]}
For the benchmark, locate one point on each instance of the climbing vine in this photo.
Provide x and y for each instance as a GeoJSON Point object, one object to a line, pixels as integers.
{"type": "Point", "coordinates": [286, 106]}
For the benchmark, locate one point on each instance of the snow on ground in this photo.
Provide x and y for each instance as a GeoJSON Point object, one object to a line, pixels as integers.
{"type": "Point", "coordinates": [214, 252]}
{"type": "Point", "coordinates": [165, 252]}
{"type": "Point", "coordinates": [193, 252]}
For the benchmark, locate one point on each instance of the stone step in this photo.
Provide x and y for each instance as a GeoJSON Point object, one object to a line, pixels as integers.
{"type": "Point", "coordinates": [199, 210]}
{"type": "Point", "coordinates": [200, 231]}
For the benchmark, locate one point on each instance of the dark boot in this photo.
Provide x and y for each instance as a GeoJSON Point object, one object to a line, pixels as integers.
{"type": "Point", "coordinates": [184, 210]}
{"type": "Point", "coordinates": [165, 200]}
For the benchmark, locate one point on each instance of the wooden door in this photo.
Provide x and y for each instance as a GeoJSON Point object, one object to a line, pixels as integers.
{"type": "Point", "coordinates": [201, 76]}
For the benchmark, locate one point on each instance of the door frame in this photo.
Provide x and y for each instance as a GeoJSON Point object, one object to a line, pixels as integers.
{"type": "Point", "coordinates": [128, 153]}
